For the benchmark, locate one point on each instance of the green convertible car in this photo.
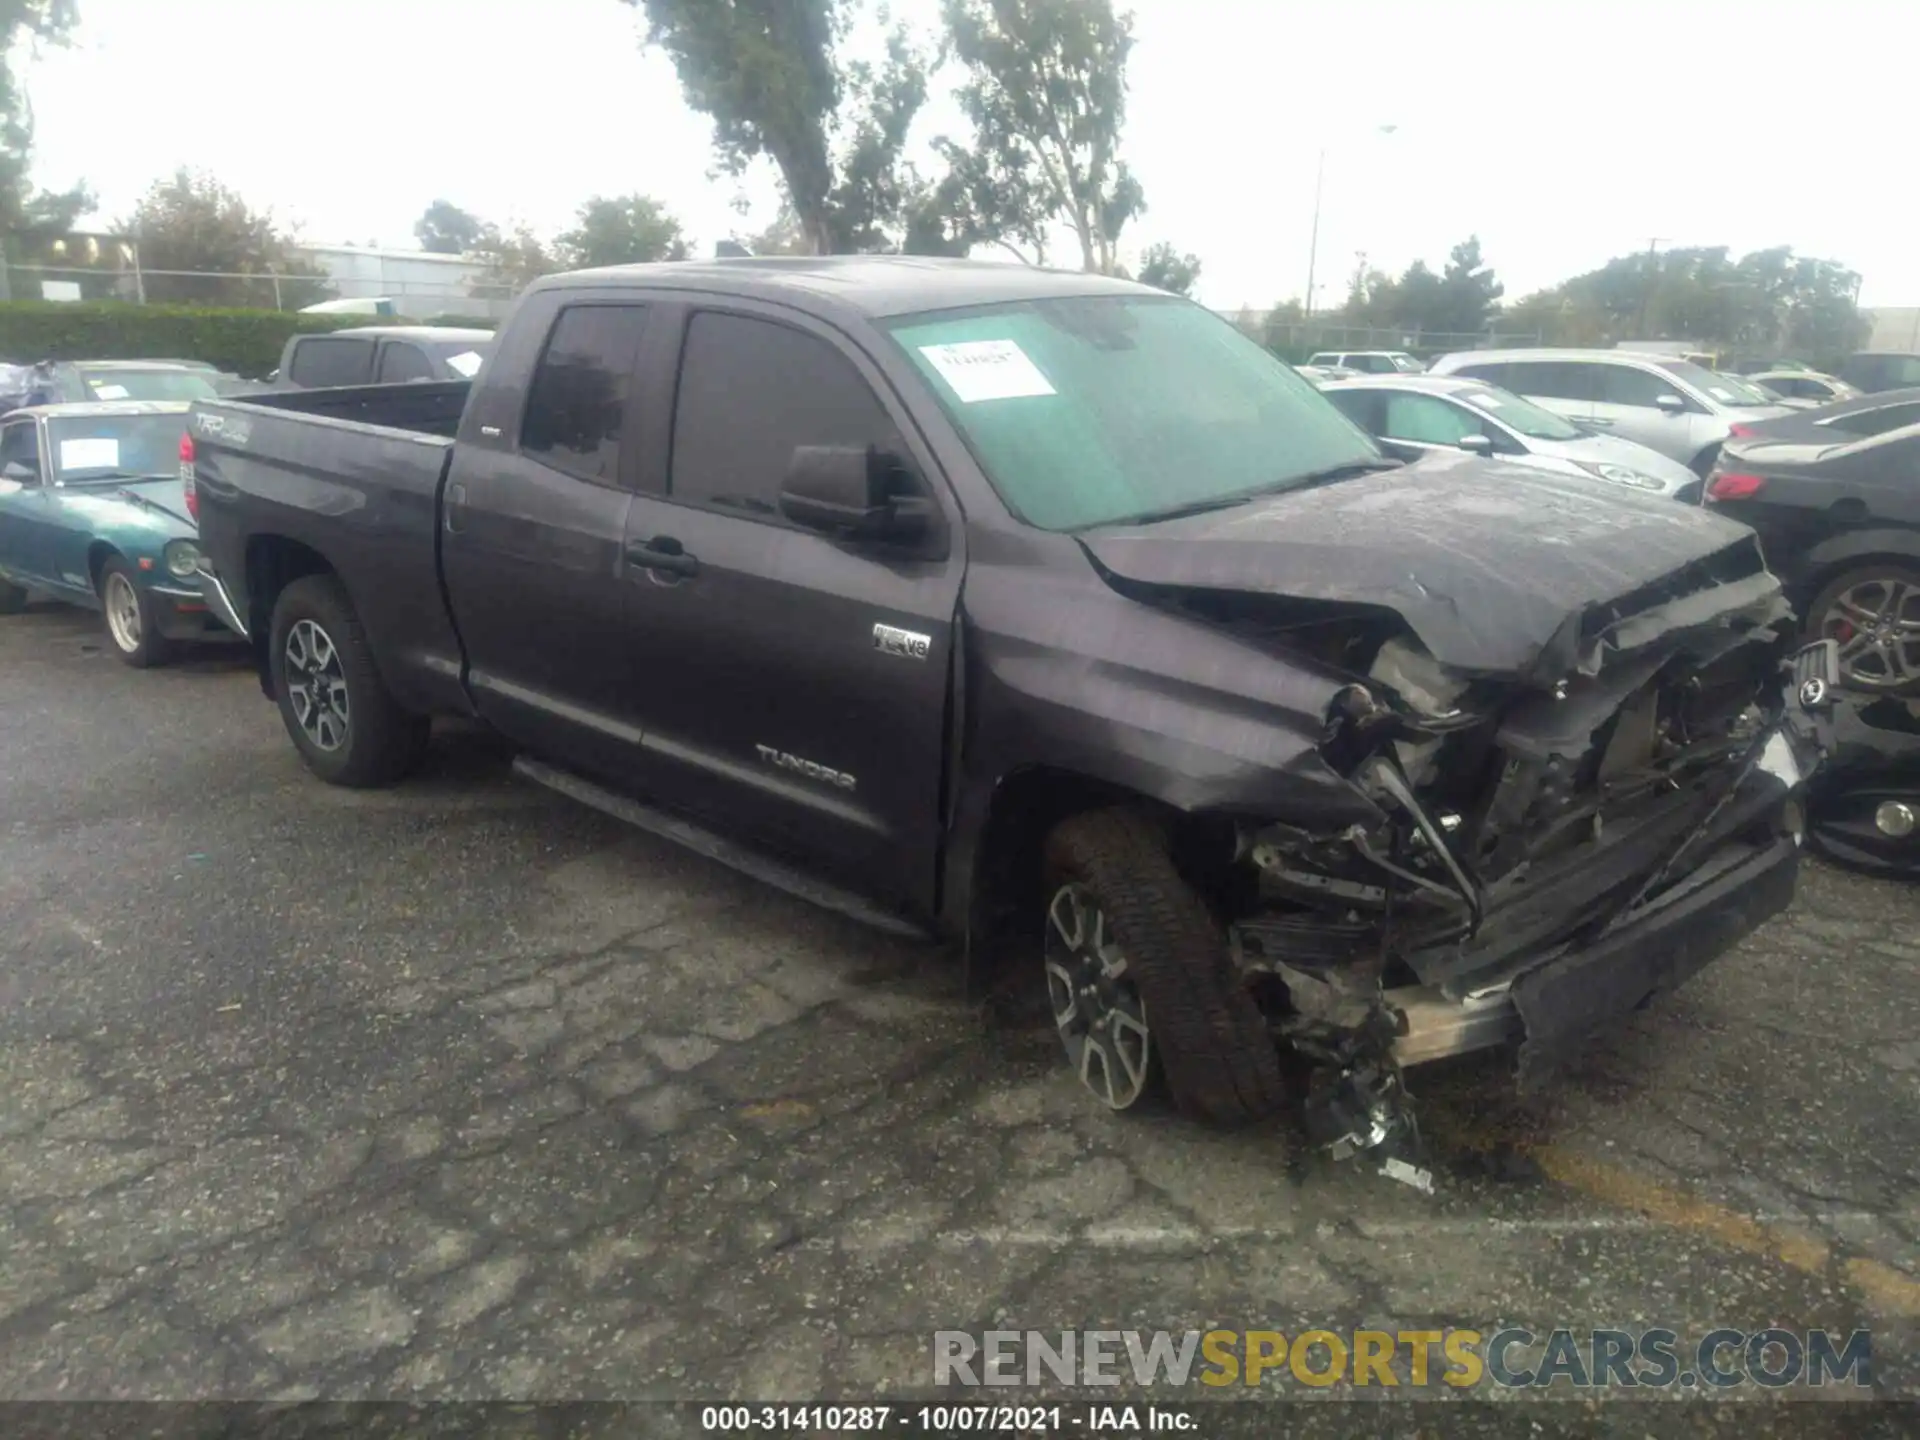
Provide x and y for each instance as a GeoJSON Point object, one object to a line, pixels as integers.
{"type": "Point", "coordinates": [92, 513]}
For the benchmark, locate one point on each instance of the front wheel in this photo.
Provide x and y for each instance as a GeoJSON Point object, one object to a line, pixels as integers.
{"type": "Point", "coordinates": [1873, 613]}
{"type": "Point", "coordinates": [131, 625]}
{"type": "Point", "coordinates": [337, 710]}
{"type": "Point", "coordinates": [1139, 978]}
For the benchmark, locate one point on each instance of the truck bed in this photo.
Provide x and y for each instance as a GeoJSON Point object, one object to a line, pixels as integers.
{"type": "Point", "coordinates": [352, 476]}
{"type": "Point", "coordinates": [426, 408]}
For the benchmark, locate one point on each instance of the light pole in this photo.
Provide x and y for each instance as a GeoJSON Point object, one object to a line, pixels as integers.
{"type": "Point", "coordinates": [1313, 242]}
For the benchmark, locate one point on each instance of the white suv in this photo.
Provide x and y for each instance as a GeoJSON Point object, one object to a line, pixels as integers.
{"type": "Point", "coordinates": [1371, 362]}
{"type": "Point", "coordinates": [1667, 404]}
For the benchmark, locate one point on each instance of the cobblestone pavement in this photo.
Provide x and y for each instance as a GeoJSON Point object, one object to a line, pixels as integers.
{"type": "Point", "coordinates": [461, 1091]}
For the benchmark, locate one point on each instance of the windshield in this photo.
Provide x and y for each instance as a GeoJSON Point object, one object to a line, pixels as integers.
{"type": "Point", "coordinates": [1523, 417]}
{"type": "Point", "coordinates": [89, 448]}
{"type": "Point", "coordinates": [1096, 409]}
{"type": "Point", "coordinates": [149, 384]}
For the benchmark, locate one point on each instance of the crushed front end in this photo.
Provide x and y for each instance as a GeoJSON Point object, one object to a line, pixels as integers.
{"type": "Point", "coordinates": [1555, 848]}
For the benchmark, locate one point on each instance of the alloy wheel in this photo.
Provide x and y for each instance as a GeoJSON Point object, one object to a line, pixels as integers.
{"type": "Point", "coordinates": [1877, 626]}
{"type": "Point", "coordinates": [123, 612]}
{"type": "Point", "coordinates": [316, 685]}
{"type": "Point", "coordinates": [1096, 1006]}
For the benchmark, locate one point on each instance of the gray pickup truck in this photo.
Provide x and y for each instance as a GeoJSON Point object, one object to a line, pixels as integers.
{"type": "Point", "coordinates": [1047, 613]}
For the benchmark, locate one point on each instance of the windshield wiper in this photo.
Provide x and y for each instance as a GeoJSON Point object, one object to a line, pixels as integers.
{"type": "Point", "coordinates": [1196, 507]}
{"type": "Point", "coordinates": [1333, 474]}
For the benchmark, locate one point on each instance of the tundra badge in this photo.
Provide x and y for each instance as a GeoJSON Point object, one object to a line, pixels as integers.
{"type": "Point", "coordinates": [890, 641]}
{"type": "Point", "coordinates": [805, 767]}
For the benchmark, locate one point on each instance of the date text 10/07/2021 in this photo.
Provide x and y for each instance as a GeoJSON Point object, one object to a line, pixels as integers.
{"type": "Point", "coordinates": [960, 1419]}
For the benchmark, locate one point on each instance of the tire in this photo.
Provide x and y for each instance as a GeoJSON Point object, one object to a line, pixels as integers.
{"type": "Point", "coordinates": [1895, 670]}
{"type": "Point", "coordinates": [12, 598]}
{"type": "Point", "coordinates": [1208, 1036]}
{"type": "Point", "coordinates": [338, 711]}
{"type": "Point", "coordinates": [127, 612]}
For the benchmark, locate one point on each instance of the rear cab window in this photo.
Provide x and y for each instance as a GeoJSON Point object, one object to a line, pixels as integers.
{"type": "Point", "coordinates": [323, 361]}
{"type": "Point", "coordinates": [401, 361]}
{"type": "Point", "coordinates": [580, 397]}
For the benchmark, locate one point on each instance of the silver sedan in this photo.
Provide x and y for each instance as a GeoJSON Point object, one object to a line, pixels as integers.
{"type": "Point", "coordinates": [1443, 412]}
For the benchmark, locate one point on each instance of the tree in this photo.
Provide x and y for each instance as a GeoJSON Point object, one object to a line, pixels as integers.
{"type": "Point", "coordinates": [445, 229]}
{"type": "Point", "coordinates": [22, 208]}
{"type": "Point", "coordinates": [1046, 94]}
{"type": "Point", "coordinates": [623, 230]}
{"type": "Point", "coordinates": [1469, 294]}
{"type": "Point", "coordinates": [219, 250]}
{"type": "Point", "coordinates": [1769, 302]}
{"type": "Point", "coordinates": [1165, 268]}
{"type": "Point", "coordinates": [769, 74]}
{"type": "Point", "coordinates": [783, 237]}
{"type": "Point", "coordinates": [514, 259]}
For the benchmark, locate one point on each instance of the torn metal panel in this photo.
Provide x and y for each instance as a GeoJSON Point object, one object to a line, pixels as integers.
{"type": "Point", "coordinates": [1489, 575]}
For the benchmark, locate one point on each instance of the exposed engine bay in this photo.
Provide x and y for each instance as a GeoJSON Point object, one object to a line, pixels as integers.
{"type": "Point", "coordinates": [1522, 818]}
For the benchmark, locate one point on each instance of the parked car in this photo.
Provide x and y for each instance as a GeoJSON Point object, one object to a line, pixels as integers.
{"type": "Point", "coordinates": [1048, 612]}
{"type": "Point", "coordinates": [382, 354]}
{"type": "Point", "coordinates": [91, 513]}
{"type": "Point", "coordinates": [1839, 518]}
{"type": "Point", "coordinates": [1803, 387]}
{"type": "Point", "coordinates": [1864, 810]}
{"type": "Point", "coordinates": [1667, 404]}
{"type": "Point", "coordinates": [1872, 370]}
{"type": "Point", "coordinates": [1873, 414]}
{"type": "Point", "coordinates": [1369, 362]}
{"type": "Point", "coordinates": [1324, 375]}
{"type": "Point", "coordinates": [1448, 412]}
{"type": "Point", "coordinates": [68, 382]}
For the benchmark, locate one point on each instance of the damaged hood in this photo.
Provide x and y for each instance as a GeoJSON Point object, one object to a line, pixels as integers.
{"type": "Point", "coordinates": [1487, 567]}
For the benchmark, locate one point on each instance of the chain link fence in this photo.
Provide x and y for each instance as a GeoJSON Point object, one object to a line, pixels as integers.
{"type": "Point", "coordinates": [1294, 340]}
{"type": "Point", "coordinates": [406, 297]}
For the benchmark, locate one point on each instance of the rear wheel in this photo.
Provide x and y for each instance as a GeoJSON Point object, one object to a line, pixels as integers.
{"type": "Point", "coordinates": [337, 710]}
{"type": "Point", "coordinates": [1872, 612]}
{"type": "Point", "coordinates": [128, 611]}
{"type": "Point", "coordinates": [1140, 982]}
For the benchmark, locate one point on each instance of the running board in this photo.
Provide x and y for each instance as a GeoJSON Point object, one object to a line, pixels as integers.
{"type": "Point", "coordinates": [705, 842]}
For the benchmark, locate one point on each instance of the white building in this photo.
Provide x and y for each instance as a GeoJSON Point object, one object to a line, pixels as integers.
{"type": "Point", "coordinates": [421, 285]}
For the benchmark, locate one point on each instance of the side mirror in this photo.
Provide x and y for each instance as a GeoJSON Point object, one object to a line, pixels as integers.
{"type": "Point", "coordinates": [20, 471]}
{"type": "Point", "coordinates": [852, 491]}
{"type": "Point", "coordinates": [1476, 444]}
{"type": "Point", "coordinates": [1670, 402]}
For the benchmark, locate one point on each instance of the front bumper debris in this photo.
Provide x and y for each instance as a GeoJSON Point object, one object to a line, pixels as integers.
{"type": "Point", "coordinates": [1706, 883]}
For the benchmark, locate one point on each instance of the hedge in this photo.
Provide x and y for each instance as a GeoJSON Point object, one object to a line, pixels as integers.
{"type": "Point", "coordinates": [246, 342]}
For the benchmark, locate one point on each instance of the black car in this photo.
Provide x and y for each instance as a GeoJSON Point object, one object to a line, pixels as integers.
{"type": "Point", "coordinates": [1839, 518]}
{"type": "Point", "coordinates": [1834, 424]}
{"type": "Point", "coordinates": [1049, 613]}
{"type": "Point", "coordinates": [1864, 811]}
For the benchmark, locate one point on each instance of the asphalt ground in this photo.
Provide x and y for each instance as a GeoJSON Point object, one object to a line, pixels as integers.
{"type": "Point", "coordinates": [462, 1092]}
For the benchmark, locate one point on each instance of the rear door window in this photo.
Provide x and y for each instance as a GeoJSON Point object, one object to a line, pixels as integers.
{"type": "Point", "coordinates": [1554, 379]}
{"type": "Point", "coordinates": [1363, 407]}
{"type": "Point", "coordinates": [580, 398]}
{"type": "Point", "coordinates": [1427, 420]}
{"type": "Point", "coordinates": [401, 361]}
{"type": "Point", "coordinates": [322, 361]}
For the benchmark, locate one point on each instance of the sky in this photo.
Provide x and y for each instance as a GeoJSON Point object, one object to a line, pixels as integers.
{"type": "Point", "coordinates": [1562, 132]}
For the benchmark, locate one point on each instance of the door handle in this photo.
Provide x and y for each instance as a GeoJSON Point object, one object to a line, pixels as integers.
{"type": "Point", "coordinates": [456, 508]}
{"type": "Point", "coordinates": [664, 554]}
